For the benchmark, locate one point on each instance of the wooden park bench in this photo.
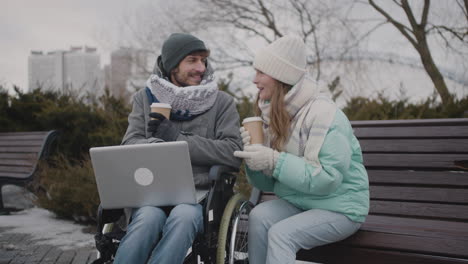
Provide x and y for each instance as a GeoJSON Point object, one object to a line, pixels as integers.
{"type": "Point", "coordinates": [20, 153]}
{"type": "Point", "coordinates": [418, 174]}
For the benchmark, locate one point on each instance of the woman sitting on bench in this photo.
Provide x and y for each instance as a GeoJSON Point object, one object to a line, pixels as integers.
{"type": "Point", "coordinates": [311, 160]}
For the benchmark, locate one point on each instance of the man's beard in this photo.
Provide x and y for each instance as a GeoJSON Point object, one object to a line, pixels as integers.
{"type": "Point", "coordinates": [183, 81]}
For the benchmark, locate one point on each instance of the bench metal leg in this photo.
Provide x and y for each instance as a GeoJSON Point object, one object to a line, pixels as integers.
{"type": "Point", "coordinates": [2, 211]}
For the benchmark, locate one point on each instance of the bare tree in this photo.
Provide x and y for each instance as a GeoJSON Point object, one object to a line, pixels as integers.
{"type": "Point", "coordinates": [459, 32]}
{"type": "Point", "coordinates": [323, 25]}
{"type": "Point", "coordinates": [416, 31]}
{"type": "Point", "coordinates": [234, 30]}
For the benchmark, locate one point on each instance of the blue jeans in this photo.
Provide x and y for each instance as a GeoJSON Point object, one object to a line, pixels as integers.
{"type": "Point", "coordinates": [152, 237]}
{"type": "Point", "coordinates": [278, 229]}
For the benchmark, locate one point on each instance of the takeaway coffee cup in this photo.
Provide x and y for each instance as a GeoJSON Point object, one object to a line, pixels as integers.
{"type": "Point", "coordinates": [164, 109]}
{"type": "Point", "coordinates": [255, 127]}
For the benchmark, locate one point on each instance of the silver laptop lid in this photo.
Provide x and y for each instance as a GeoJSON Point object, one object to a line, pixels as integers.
{"type": "Point", "coordinates": [157, 174]}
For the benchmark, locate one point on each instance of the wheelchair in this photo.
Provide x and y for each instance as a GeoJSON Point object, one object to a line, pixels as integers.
{"type": "Point", "coordinates": [224, 239]}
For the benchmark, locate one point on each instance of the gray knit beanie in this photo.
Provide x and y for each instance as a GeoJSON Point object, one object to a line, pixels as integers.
{"type": "Point", "coordinates": [284, 59]}
{"type": "Point", "coordinates": [176, 48]}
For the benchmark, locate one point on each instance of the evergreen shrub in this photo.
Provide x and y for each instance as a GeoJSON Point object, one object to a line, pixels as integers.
{"type": "Point", "coordinates": [71, 189]}
{"type": "Point", "coordinates": [89, 121]}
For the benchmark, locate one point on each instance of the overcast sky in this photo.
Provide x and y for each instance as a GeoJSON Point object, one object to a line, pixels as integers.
{"type": "Point", "coordinates": [47, 25]}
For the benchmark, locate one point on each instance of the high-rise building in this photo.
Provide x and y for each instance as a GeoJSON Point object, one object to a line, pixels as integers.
{"type": "Point", "coordinates": [77, 69]}
{"type": "Point", "coordinates": [127, 71]}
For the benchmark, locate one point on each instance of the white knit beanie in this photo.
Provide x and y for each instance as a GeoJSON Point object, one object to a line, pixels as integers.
{"type": "Point", "coordinates": [284, 59]}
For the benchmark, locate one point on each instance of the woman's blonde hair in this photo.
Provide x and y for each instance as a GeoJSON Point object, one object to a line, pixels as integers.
{"type": "Point", "coordinates": [279, 116]}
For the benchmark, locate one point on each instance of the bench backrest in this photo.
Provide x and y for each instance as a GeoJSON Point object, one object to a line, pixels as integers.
{"type": "Point", "coordinates": [417, 168]}
{"type": "Point", "coordinates": [20, 151]}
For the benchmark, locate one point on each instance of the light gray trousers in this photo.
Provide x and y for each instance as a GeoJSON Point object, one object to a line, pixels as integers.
{"type": "Point", "coordinates": [278, 229]}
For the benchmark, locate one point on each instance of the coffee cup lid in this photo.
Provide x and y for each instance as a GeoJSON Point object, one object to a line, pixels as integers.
{"type": "Point", "coordinates": [162, 105]}
{"type": "Point", "coordinates": [252, 119]}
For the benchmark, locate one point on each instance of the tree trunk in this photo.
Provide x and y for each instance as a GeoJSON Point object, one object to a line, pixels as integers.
{"type": "Point", "coordinates": [419, 41]}
{"type": "Point", "coordinates": [432, 70]}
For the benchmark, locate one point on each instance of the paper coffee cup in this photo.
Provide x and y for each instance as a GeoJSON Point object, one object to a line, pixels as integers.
{"type": "Point", "coordinates": [255, 127]}
{"type": "Point", "coordinates": [164, 109]}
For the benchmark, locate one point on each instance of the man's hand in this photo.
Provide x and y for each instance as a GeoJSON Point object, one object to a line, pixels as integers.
{"type": "Point", "coordinates": [161, 127]}
{"type": "Point", "coordinates": [259, 158]}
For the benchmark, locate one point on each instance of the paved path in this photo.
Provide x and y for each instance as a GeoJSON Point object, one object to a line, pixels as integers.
{"type": "Point", "coordinates": [23, 249]}
{"type": "Point", "coordinates": [20, 248]}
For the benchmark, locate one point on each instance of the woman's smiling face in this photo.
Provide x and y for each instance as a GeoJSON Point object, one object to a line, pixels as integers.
{"type": "Point", "coordinates": [265, 85]}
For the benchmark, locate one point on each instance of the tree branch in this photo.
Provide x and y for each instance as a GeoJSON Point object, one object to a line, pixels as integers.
{"type": "Point", "coordinates": [409, 15]}
{"type": "Point", "coordinates": [425, 13]}
{"type": "Point", "coordinates": [270, 18]}
{"type": "Point", "coordinates": [466, 9]}
{"type": "Point", "coordinates": [397, 24]}
{"type": "Point", "coordinates": [459, 33]}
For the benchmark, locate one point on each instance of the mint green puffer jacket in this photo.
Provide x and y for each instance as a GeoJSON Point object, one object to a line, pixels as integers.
{"type": "Point", "coordinates": [341, 186]}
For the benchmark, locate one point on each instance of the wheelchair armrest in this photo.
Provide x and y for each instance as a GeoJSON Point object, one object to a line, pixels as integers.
{"type": "Point", "coordinates": [217, 170]}
{"type": "Point", "coordinates": [105, 216]}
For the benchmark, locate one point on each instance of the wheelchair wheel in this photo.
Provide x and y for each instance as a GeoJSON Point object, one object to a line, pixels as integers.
{"type": "Point", "coordinates": [232, 236]}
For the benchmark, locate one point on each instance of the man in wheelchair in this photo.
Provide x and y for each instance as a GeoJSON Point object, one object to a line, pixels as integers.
{"type": "Point", "coordinates": [201, 115]}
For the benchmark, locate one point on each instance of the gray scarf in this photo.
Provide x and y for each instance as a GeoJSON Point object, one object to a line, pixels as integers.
{"type": "Point", "coordinates": [186, 102]}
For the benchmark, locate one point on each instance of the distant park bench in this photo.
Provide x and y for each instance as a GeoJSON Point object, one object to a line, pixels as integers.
{"type": "Point", "coordinates": [418, 174]}
{"type": "Point", "coordinates": [20, 153]}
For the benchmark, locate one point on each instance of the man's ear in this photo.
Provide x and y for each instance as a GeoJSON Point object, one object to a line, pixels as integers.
{"type": "Point", "coordinates": [159, 67]}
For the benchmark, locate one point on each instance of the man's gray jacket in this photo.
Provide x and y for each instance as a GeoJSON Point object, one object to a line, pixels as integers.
{"type": "Point", "coordinates": [212, 137]}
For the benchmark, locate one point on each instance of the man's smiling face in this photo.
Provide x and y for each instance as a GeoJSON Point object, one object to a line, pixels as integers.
{"type": "Point", "coordinates": [190, 70]}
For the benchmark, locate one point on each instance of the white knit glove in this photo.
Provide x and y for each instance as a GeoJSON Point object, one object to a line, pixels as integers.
{"type": "Point", "coordinates": [245, 136]}
{"type": "Point", "coordinates": [259, 158]}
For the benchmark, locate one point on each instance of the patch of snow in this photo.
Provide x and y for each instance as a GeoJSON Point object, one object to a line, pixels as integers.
{"type": "Point", "coordinates": [41, 224]}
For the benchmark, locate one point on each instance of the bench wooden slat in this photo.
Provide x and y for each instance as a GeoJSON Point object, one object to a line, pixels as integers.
{"type": "Point", "coordinates": [17, 162]}
{"type": "Point", "coordinates": [416, 161]}
{"type": "Point", "coordinates": [10, 155]}
{"type": "Point", "coordinates": [21, 149]}
{"type": "Point", "coordinates": [411, 132]}
{"type": "Point", "coordinates": [415, 145]}
{"type": "Point", "coordinates": [24, 137]}
{"type": "Point", "coordinates": [339, 253]}
{"type": "Point", "coordinates": [399, 193]}
{"type": "Point", "coordinates": [30, 134]}
{"type": "Point", "coordinates": [412, 122]}
{"type": "Point", "coordinates": [427, 194]}
{"type": "Point", "coordinates": [401, 242]}
{"type": "Point", "coordinates": [23, 133]}
{"type": "Point", "coordinates": [16, 175]}
{"type": "Point", "coordinates": [16, 169]}
{"type": "Point", "coordinates": [9, 143]}
{"type": "Point", "coordinates": [416, 226]}
{"type": "Point", "coordinates": [415, 209]}
{"type": "Point", "coordinates": [405, 177]}
{"type": "Point", "coordinates": [429, 210]}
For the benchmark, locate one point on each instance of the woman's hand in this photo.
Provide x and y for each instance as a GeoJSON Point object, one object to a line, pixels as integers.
{"type": "Point", "coordinates": [259, 158]}
{"type": "Point", "coordinates": [245, 136]}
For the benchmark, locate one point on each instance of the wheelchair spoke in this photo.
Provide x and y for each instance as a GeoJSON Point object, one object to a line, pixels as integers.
{"type": "Point", "coordinates": [238, 250]}
{"type": "Point", "coordinates": [232, 245]}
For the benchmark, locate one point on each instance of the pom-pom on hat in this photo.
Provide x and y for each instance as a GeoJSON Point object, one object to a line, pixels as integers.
{"type": "Point", "coordinates": [284, 59]}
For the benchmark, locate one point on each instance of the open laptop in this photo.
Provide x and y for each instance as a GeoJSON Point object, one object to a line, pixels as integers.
{"type": "Point", "coordinates": [157, 174]}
